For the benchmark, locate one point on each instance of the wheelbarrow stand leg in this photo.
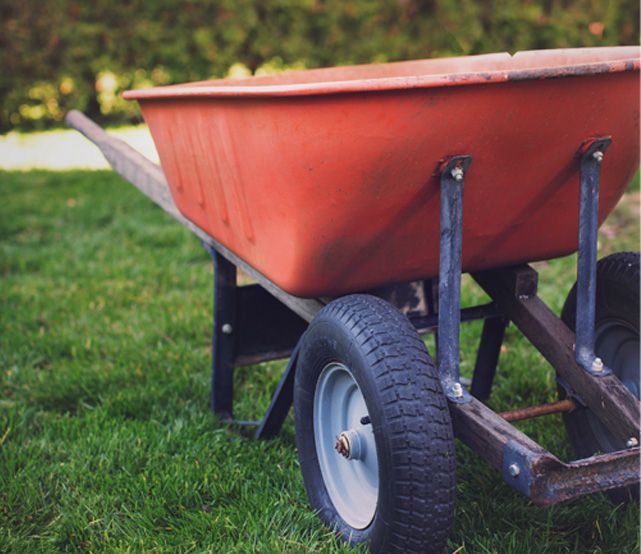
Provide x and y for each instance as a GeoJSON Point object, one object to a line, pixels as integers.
{"type": "Point", "coordinates": [223, 343]}
{"type": "Point", "coordinates": [250, 326]}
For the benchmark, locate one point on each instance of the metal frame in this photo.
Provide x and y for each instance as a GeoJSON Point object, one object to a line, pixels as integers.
{"type": "Point", "coordinates": [449, 283]}
{"type": "Point", "coordinates": [249, 326]}
{"type": "Point", "coordinates": [531, 466]}
{"type": "Point", "coordinates": [245, 316]}
{"type": "Point", "coordinates": [591, 155]}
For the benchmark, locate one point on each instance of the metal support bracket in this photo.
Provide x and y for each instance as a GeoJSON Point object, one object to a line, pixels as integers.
{"type": "Point", "coordinates": [517, 467]}
{"type": "Point", "coordinates": [452, 172]}
{"type": "Point", "coordinates": [281, 401]}
{"type": "Point", "coordinates": [591, 155]}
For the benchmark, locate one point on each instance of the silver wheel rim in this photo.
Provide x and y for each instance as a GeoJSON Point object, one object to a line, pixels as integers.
{"type": "Point", "coordinates": [352, 483]}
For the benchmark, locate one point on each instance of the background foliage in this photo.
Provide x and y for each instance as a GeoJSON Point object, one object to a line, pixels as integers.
{"type": "Point", "coordinates": [59, 54]}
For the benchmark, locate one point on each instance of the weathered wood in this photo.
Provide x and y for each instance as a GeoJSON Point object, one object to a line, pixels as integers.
{"type": "Point", "coordinates": [485, 432]}
{"type": "Point", "coordinates": [606, 396]}
{"type": "Point", "coordinates": [149, 179]}
{"type": "Point", "coordinates": [559, 482]}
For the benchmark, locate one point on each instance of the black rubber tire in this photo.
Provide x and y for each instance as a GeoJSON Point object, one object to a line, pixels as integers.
{"type": "Point", "coordinates": [410, 418]}
{"type": "Point", "coordinates": [617, 299]}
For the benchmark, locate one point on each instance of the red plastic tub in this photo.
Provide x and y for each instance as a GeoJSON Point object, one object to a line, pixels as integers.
{"type": "Point", "coordinates": [324, 180]}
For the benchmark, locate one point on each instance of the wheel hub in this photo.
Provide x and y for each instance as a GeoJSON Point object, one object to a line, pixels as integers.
{"type": "Point", "coordinates": [350, 445]}
{"type": "Point", "coordinates": [346, 445]}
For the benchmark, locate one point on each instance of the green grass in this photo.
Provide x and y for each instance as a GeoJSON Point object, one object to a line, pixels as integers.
{"type": "Point", "coordinates": [106, 439]}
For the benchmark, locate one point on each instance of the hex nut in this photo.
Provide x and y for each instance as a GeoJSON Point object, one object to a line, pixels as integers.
{"type": "Point", "coordinates": [514, 470]}
{"type": "Point", "coordinates": [597, 365]}
{"type": "Point", "coordinates": [632, 442]}
{"type": "Point", "coordinates": [457, 173]}
{"type": "Point", "coordinates": [349, 445]}
{"type": "Point", "coordinates": [227, 328]}
{"type": "Point", "coordinates": [457, 390]}
{"type": "Point", "coordinates": [598, 156]}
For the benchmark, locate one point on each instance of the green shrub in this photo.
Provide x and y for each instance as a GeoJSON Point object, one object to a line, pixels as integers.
{"type": "Point", "coordinates": [59, 54]}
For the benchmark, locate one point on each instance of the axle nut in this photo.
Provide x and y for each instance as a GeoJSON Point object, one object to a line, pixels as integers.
{"type": "Point", "coordinates": [349, 445]}
{"type": "Point", "coordinates": [342, 445]}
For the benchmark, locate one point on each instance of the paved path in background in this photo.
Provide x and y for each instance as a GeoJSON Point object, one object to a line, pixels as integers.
{"type": "Point", "coordinates": [66, 149]}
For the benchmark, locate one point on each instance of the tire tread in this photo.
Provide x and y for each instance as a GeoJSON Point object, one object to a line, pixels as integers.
{"type": "Point", "coordinates": [419, 424]}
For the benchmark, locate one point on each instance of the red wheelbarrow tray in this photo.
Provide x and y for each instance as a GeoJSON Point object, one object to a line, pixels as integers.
{"type": "Point", "coordinates": [326, 180]}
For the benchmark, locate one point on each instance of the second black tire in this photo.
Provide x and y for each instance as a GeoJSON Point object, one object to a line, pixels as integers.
{"type": "Point", "coordinates": [617, 344]}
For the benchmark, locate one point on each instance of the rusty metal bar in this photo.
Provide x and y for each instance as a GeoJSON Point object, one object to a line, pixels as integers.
{"type": "Point", "coordinates": [530, 412]}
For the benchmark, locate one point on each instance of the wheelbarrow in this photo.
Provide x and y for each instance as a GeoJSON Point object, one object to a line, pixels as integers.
{"type": "Point", "coordinates": [341, 192]}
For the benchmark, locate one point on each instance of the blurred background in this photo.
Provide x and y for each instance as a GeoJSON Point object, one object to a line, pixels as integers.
{"type": "Point", "coordinates": [61, 54]}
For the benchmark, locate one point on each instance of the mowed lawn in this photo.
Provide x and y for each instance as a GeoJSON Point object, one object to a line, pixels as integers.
{"type": "Point", "coordinates": [107, 443]}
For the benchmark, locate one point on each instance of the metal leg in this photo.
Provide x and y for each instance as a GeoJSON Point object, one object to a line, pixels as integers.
{"type": "Point", "coordinates": [281, 401]}
{"type": "Point", "coordinates": [223, 341]}
{"type": "Point", "coordinates": [258, 313]}
{"type": "Point", "coordinates": [449, 289]}
{"type": "Point", "coordinates": [591, 154]}
{"type": "Point", "coordinates": [487, 357]}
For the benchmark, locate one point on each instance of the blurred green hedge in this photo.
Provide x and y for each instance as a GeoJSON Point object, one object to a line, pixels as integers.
{"type": "Point", "coordinates": [62, 54]}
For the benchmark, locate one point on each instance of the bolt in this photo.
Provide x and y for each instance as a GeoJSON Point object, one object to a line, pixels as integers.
{"type": "Point", "coordinates": [632, 442]}
{"type": "Point", "coordinates": [457, 390]}
{"type": "Point", "coordinates": [514, 470]}
{"type": "Point", "coordinates": [458, 173]}
{"type": "Point", "coordinates": [227, 328]}
{"type": "Point", "coordinates": [598, 155]}
{"type": "Point", "coordinates": [365, 420]}
{"type": "Point", "coordinates": [597, 365]}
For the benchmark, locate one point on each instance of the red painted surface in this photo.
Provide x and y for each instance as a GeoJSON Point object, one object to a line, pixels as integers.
{"type": "Point", "coordinates": [325, 180]}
